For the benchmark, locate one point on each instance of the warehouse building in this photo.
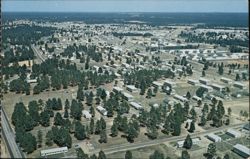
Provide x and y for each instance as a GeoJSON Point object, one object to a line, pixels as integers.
{"type": "Point", "coordinates": [233, 133]}
{"type": "Point", "coordinates": [192, 82]}
{"type": "Point", "coordinates": [127, 97]}
{"type": "Point", "coordinates": [195, 141]}
{"type": "Point", "coordinates": [117, 89]}
{"type": "Point", "coordinates": [239, 85]}
{"type": "Point", "coordinates": [168, 84]}
{"type": "Point", "coordinates": [180, 98]}
{"type": "Point", "coordinates": [131, 88]}
{"type": "Point", "coordinates": [226, 80]}
{"type": "Point", "coordinates": [157, 84]}
{"type": "Point", "coordinates": [54, 151]}
{"type": "Point", "coordinates": [136, 105]}
{"type": "Point", "coordinates": [241, 150]}
{"type": "Point", "coordinates": [207, 88]}
{"type": "Point", "coordinates": [102, 110]}
{"type": "Point", "coordinates": [218, 87]}
{"type": "Point", "coordinates": [204, 81]}
{"type": "Point", "coordinates": [86, 114]}
{"type": "Point", "coordinates": [214, 138]}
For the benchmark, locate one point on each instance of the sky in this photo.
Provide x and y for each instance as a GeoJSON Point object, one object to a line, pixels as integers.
{"type": "Point", "coordinates": [125, 6]}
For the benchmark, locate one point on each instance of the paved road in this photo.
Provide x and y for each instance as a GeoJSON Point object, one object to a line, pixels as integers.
{"type": "Point", "coordinates": [38, 53]}
{"type": "Point", "coordinates": [140, 144]}
{"type": "Point", "coordinates": [9, 138]}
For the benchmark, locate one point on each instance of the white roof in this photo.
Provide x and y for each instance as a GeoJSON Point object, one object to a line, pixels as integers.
{"type": "Point", "coordinates": [213, 136]}
{"type": "Point", "coordinates": [180, 97]}
{"type": "Point", "coordinates": [136, 105]}
{"type": "Point", "coordinates": [169, 82]}
{"type": "Point", "coordinates": [117, 88]}
{"type": "Point", "coordinates": [54, 150]}
{"type": "Point", "coordinates": [192, 80]}
{"type": "Point", "coordinates": [233, 132]}
{"type": "Point", "coordinates": [157, 83]}
{"type": "Point", "coordinates": [242, 148]}
{"type": "Point", "coordinates": [217, 85]}
{"type": "Point", "coordinates": [100, 108]}
{"type": "Point", "coordinates": [131, 87]}
{"type": "Point", "coordinates": [204, 79]}
{"type": "Point", "coordinates": [226, 79]}
{"type": "Point", "coordinates": [86, 114]}
{"type": "Point", "coordinates": [127, 95]}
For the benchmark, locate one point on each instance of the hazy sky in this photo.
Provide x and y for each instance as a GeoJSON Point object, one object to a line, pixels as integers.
{"type": "Point", "coordinates": [125, 5]}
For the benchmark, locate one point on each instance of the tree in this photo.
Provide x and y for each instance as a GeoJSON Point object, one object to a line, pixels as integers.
{"type": "Point", "coordinates": [49, 138]}
{"type": "Point", "coordinates": [203, 73]}
{"type": "Point", "coordinates": [114, 129]}
{"type": "Point", "coordinates": [128, 155]}
{"type": "Point", "coordinates": [226, 156]}
{"type": "Point", "coordinates": [152, 132]}
{"type": "Point", "coordinates": [58, 120]}
{"type": "Point", "coordinates": [156, 155]}
{"type": "Point", "coordinates": [149, 93]}
{"type": "Point", "coordinates": [91, 126]}
{"type": "Point", "coordinates": [237, 78]}
{"type": "Point", "coordinates": [185, 155]}
{"type": "Point", "coordinates": [211, 151]}
{"type": "Point", "coordinates": [34, 111]}
{"type": "Point", "coordinates": [131, 132]}
{"type": "Point", "coordinates": [229, 111]}
{"type": "Point", "coordinates": [80, 154]}
{"type": "Point", "coordinates": [188, 95]}
{"type": "Point", "coordinates": [80, 133]}
{"type": "Point", "coordinates": [45, 118]}
{"type": "Point", "coordinates": [39, 138]}
{"type": "Point", "coordinates": [92, 111]}
{"type": "Point", "coordinates": [192, 127]}
{"type": "Point", "coordinates": [28, 143]}
{"type": "Point", "coordinates": [103, 136]}
{"type": "Point", "coordinates": [66, 113]}
{"type": "Point", "coordinates": [101, 155]}
{"type": "Point", "coordinates": [188, 142]}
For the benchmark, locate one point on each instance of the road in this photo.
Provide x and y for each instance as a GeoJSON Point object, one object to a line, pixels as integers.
{"type": "Point", "coordinates": [140, 144]}
{"type": "Point", "coordinates": [9, 137]}
{"type": "Point", "coordinates": [38, 54]}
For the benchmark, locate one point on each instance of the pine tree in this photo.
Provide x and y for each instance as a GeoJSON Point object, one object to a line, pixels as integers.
{"type": "Point", "coordinates": [39, 138]}
{"type": "Point", "coordinates": [103, 136]}
{"type": "Point", "coordinates": [188, 142]}
{"type": "Point", "coordinates": [192, 127]}
{"type": "Point", "coordinates": [128, 155]}
{"type": "Point", "coordinates": [114, 129]}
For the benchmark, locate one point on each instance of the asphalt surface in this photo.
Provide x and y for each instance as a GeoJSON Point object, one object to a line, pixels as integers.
{"type": "Point", "coordinates": [9, 137]}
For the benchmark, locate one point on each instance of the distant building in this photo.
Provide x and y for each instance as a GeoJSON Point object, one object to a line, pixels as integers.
{"type": "Point", "coordinates": [102, 110]}
{"type": "Point", "coordinates": [241, 150]}
{"type": "Point", "coordinates": [127, 97]}
{"type": "Point", "coordinates": [136, 105]}
{"type": "Point", "coordinates": [117, 89]}
{"type": "Point", "coordinates": [196, 98]}
{"type": "Point", "coordinates": [168, 84]}
{"type": "Point", "coordinates": [204, 81]}
{"type": "Point", "coordinates": [239, 85]}
{"type": "Point", "coordinates": [54, 151]}
{"type": "Point", "coordinates": [214, 138]}
{"type": "Point", "coordinates": [195, 141]}
{"type": "Point", "coordinates": [233, 133]}
{"type": "Point", "coordinates": [226, 80]}
{"type": "Point", "coordinates": [131, 88]}
{"type": "Point", "coordinates": [180, 98]}
{"type": "Point", "coordinates": [207, 88]}
{"type": "Point", "coordinates": [192, 82]}
{"type": "Point", "coordinates": [218, 87]}
{"type": "Point", "coordinates": [157, 85]}
{"type": "Point", "coordinates": [86, 114]}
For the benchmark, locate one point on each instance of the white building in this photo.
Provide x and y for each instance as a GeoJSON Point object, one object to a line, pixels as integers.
{"type": "Point", "coordinates": [239, 85]}
{"type": "Point", "coordinates": [131, 88]}
{"type": "Point", "coordinates": [136, 105]}
{"type": "Point", "coordinates": [214, 138]}
{"type": "Point", "coordinates": [218, 87]}
{"type": "Point", "coordinates": [54, 151]}
{"type": "Point", "coordinates": [192, 82]}
{"type": "Point", "coordinates": [102, 110]}
{"type": "Point", "coordinates": [241, 150]}
{"type": "Point", "coordinates": [180, 144]}
{"type": "Point", "coordinates": [226, 80]}
{"type": "Point", "coordinates": [127, 96]}
{"type": "Point", "coordinates": [181, 98]}
{"type": "Point", "coordinates": [233, 133]}
{"type": "Point", "coordinates": [86, 114]}
{"type": "Point", "coordinates": [117, 89]}
{"type": "Point", "coordinates": [204, 81]}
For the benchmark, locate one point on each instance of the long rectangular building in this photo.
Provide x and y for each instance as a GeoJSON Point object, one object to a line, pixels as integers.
{"type": "Point", "coordinates": [54, 151]}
